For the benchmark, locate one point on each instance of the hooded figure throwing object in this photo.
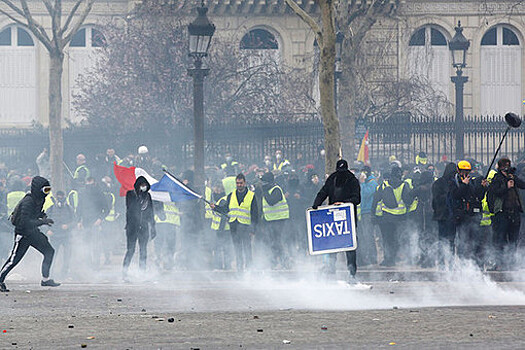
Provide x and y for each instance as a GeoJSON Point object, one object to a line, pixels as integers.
{"type": "Point", "coordinates": [140, 222]}
{"type": "Point", "coordinates": [28, 216]}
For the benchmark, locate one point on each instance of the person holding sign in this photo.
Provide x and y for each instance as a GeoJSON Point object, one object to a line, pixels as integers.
{"type": "Point", "coordinates": [340, 187]}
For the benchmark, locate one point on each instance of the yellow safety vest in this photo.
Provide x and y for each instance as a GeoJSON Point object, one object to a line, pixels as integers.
{"type": "Point", "coordinates": [401, 208]}
{"type": "Point", "coordinates": [281, 164]}
{"type": "Point", "coordinates": [278, 211]}
{"type": "Point", "coordinates": [229, 184]}
{"type": "Point", "coordinates": [111, 216]}
{"type": "Point", "coordinates": [486, 216]}
{"type": "Point", "coordinates": [225, 165]}
{"type": "Point", "coordinates": [79, 169]}
{"type": "Point", "coordinates": [207, 196]}
{"type": "Point", "coordinates": [72, 199]}
{"type": "Point", "coordinates": [379, 206]}
{"type": "Point", "coordinates": [414, 204]}
{"type": "Point", "coordinates": [216, 219]}
{"type": "Point", "coordinates": [48, 202]}
{"type": "Point", "coordinates": [241, 212]}
{"type": "Point", "coordinates": [12, 200]}
{"type": "Point", "coordinates": [172, 215]}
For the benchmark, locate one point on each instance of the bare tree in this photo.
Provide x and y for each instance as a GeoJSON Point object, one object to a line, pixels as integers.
{"type": "Point", "coordinates": [325, 36]}
{"type": "Point", "coordinates": [355, 19]}
{"type": "Point", "coordinates": [141, 80]}
{"type": "Point", "coordinates": [55, 42]}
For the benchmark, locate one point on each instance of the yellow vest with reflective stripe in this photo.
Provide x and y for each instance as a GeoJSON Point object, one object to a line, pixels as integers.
{"type": "Point", "coordinates": [207, 196]}
{"type": "Point", "coordinates": [401, 208]}
{"type": "Point", "coordinates": [72, 199]}
{"type": "Point", "coordinates": [229, 184]}
{"type": "Point", "coordinates": [241, 212]}
{"type": "Point", "coordinates": [278, 211]}
{"type": "Point", "coordinates": [48, 202]}
{"type": "Point", "coordinates": [281, 165]}
{"type": "Point", "coordinates": [486, 217]}
{"type": "Point", "coordinates": [414, 204]}
{"type": "Point", "coordinates": [172, 215]}
{"type": "Point", "coordinates": [111, 216]}
{"type": "Point", "coordinates": [12, 200]}
{"type": "Point", "coordinates": [379, 206]}
{"type": "Point", "coordinates": [216, 218]}
{"type": "Point", "coordinates": [79, 169]}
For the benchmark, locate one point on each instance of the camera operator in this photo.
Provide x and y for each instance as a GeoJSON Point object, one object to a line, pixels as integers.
{"type": "Point", "coordinates": [505, 203]}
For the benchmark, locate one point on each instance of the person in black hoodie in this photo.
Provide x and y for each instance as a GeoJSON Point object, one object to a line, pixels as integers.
{"type": "Point", "coordinates": [505, 203]}
{"type": "Point", "coordinates": [446, 227]}
{"type": "Point", "coordinates": [28, 216]}
{"type": "Point", "coordinates": [140, 222]}
{"type": "Point", "coordinates": [341, 187]}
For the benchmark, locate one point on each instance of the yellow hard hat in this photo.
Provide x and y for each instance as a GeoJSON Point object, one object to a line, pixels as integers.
{"type": "Point", "coordinates": [464, 165]}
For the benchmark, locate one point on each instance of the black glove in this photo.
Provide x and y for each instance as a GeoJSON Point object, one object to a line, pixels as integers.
{"type": "Point", "coordinates": [314, 207]}
{"type": "Point", "coordinates": [47, 221]}
{"type": "Point", "coordinates": [153, 233]}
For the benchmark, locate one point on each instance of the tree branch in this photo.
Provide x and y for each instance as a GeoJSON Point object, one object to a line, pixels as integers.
{"type": "Point", "coordinates": [13, 7]}
{"type": "Point", "coordinates": [35, 27]}
{"type": "Point", "coordinates": [307, 19]}
{"type": "Point", "coordinates": [80, 21]}
{"type": "Point", "coordinates": [70, 16]}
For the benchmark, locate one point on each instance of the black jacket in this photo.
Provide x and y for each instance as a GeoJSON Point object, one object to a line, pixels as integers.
{"type": "Point", "coordinates": [464, 199]}
{"type": "Point", "coordinates": [139, 208]}
{"type": "Point", "coordinates": [440, 190]}
{"type": "Point", "coordinates": [62, 214]}
{"type": "Point", "coordinates": [341, 186]}
{"type": "Point", "coordinates": [30, 215]}
{"type": "Point", "coordinates": [501, 198]}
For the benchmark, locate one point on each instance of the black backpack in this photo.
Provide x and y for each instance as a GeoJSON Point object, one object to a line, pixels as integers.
{"type": "Point", "coordinates": [14, 217]}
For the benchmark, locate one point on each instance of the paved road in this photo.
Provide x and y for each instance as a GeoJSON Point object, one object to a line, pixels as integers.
{"type": "Point", "coordinates": [261, 310]}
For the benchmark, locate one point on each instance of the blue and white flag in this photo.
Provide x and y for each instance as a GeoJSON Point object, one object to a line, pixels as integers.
{"type": "Point", "coordinates": [169, 189]}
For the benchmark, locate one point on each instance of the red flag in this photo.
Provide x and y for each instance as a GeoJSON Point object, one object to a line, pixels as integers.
{"type": "Point", "coordinates": [126, 177]}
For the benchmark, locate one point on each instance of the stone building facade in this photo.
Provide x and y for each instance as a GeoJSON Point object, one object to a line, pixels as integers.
{"type": "Point", "coordinates": [418, 46]}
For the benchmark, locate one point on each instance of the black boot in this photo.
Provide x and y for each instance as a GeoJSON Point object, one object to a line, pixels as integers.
{"type": "Point", "coordinates": [3, 288]}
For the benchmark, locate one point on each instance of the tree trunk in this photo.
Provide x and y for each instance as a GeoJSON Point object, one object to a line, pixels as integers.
{"type": "Point", "coordinates": [347, 113]}
{"type": "Point", "coordinates": [332, 137]}
{"type": "Point", "coordinates": [55, 120]}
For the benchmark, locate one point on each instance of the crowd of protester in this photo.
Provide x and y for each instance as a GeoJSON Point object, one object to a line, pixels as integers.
{"type": "Point", "coordinates": [417, 214]}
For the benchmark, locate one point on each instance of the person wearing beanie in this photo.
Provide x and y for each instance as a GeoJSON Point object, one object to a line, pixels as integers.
{"type": "Point", "coordinates": [340, 187]}
{"type": "Point", "coordinates": [27, 217]}
{"type": "Point", "coordinates": [275, 213]}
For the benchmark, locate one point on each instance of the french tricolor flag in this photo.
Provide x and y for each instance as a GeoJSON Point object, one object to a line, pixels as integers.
{"type": "Point", "coordinates": [168, 189]}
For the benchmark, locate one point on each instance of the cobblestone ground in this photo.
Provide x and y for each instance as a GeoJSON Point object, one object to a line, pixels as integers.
{"type": "Point", "coordinates": [263, 313]}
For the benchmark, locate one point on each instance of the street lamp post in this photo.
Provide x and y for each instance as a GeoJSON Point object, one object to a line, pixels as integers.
{"type": "Point", "coordinates": [458, 47]}
{"type": "Point", "coordinates": [201, 31]}
{"type": "Point", "coordinates": [339, 38]}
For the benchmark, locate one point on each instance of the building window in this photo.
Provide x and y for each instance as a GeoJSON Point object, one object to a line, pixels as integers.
{"type": "Point", "coordinates": [261, 59]}
{"type": "Point", "coordinates": [84, 52]}
{"type": "Point", "coordinates": [500, 71]}
{"type": "Point", "coordinates": [18, 79]}
{"type": "Point", "coordinates": [429, 59]}
{"type": "Point", "coordinates": [259, 39]}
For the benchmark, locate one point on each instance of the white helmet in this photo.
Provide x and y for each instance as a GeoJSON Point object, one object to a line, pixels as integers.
{"type": "Point", "coordinates": [143, 149]}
